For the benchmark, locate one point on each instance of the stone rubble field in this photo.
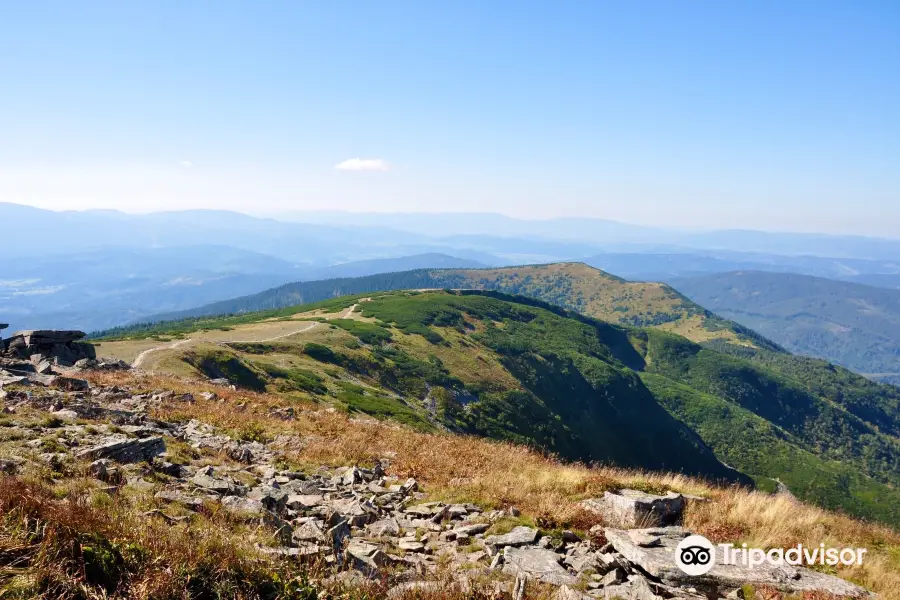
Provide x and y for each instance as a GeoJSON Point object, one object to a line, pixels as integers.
{"type": "Point", "coordinates": [363, 523]}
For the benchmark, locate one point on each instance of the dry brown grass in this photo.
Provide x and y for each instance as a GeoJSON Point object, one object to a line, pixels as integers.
{"type": "Point", "coordinates": [544, 489]}
{"type": "Point", "coordinates": [765, 521]}
{"type": "Point", "coordinates": [69, 548]}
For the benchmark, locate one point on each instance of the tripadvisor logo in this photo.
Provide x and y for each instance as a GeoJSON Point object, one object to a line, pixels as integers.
{"type": "Point", "coordinates": [696, 555]}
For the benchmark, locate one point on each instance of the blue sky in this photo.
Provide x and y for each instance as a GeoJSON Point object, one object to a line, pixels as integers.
{"type": "Point", "coordinates": [771, 115]}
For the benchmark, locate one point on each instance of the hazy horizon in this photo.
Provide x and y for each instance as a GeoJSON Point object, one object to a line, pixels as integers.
{"type": "Point", "coordinates": [316, 216]}
{"type": "Point", "coordinates": [770, 116]}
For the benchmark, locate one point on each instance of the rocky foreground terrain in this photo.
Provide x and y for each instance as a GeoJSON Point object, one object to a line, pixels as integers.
{"type": "Point", "coordinates": [134, 463]}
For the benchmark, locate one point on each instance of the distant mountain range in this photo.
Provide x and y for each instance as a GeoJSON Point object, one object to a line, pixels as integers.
{"type": "Point", "coordinates": [666, 266]}
{"type": "Point", "coordinates": [611, 235]}
{"type": "Point", "coordinates": [854, 325]}
{"type": "Point", "coordinates": [99, 269]}
{"type": "Point", "coordinates": [99, 289]}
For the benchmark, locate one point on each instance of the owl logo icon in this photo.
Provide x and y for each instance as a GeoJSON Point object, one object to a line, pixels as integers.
{"type": "Point", "coordinates": [695, 555]}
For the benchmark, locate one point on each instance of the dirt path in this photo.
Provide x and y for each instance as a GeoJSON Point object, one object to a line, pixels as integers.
{"type": "Point", "coordinates": [140, 357]}
{"type": "Point", "coordinates": [272, 339]}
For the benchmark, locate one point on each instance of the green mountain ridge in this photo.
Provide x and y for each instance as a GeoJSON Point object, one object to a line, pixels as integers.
{"type": "Point", "coordinates": [576, 286]}
{"type": "Point", "coordinates": [520, 369]}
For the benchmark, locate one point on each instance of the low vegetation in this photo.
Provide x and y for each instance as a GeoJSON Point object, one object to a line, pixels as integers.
{"type": "Point", "coordinates": [528, 372]}
{"type": "Point", "coordinates": [42, 517]}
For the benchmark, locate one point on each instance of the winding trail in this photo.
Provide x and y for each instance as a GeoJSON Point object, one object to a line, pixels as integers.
{"type": "Point", "coordinates": [272, 339]}
{"type": "Point", "coordinates": [140, 357]}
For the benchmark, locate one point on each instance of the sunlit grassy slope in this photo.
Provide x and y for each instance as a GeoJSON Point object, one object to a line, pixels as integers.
{"type": "Point", "coordinates": [575, 286]}
{"type": "Point", "coordinates": [523, 371]}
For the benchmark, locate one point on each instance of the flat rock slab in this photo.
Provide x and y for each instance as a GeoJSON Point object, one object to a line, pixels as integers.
{"type": "Point", "coordinates": [126, 450]}
{"type": "Point", "coordinates": [181, 498]}
{"type": "Point", "coordinates": [411, 546]}
{"type": "Point", "coordinates": [471, 528]}
{"type": "Point", "coordinates": [519, 536]}
{"type": "Point", "coordinates": [658, 561]}
{"type": "Point", "coordinates": [304, 501]}
{"type": "Point", "coordinates": [242, 506]}
{"type": "Point", "coordinates": [538, 563]}
{"type": "Point", "coordinates": [632, 508]}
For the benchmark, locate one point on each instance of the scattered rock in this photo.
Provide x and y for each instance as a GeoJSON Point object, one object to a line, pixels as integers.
{"type": "Point", "coordinates": [632, 508]}
{"type": "Point", "coordinates": [206, 479]}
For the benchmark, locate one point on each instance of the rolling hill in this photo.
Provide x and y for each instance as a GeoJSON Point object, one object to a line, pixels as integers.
{"type": "Point", "coordinates": [512, 368]}
{"type": "Point", "coordinates": [575, 286]}
{"type": "Point", "coordinates": [853, 325]}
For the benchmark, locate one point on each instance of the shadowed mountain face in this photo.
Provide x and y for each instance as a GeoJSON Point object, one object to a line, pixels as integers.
{"type": "Point", "coordinates": [857, 326]}
{"type": "Point", "coordinates": [514, 368]}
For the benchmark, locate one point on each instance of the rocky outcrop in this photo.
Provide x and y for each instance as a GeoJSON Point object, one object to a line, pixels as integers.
{"type": "Point", "coordinates": [633, 508]}
{"type": "Point", "coordinates": [125, 450]}
{"type": "Point", "coordinates": [48, 358]}
{"type": "Point", "coordinates": [59, 347]}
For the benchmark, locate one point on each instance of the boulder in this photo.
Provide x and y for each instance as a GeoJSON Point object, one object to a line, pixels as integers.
{"type": "Point", "coordinates": [632, 508]}
{"type": "Point", "coordinates": [471, 529]}
{"type": "Point", "coordinates": [304, 501]}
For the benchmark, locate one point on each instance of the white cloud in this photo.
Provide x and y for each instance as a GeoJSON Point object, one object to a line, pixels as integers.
{"type": "Point", "coordinates": [363, 164]}
{"type": "Point", "coordinates": [186, 164]}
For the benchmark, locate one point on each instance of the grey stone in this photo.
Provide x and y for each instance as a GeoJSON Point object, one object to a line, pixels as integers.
{"type": "Point", "coordinates": [304, 501]}
{"type": "Point", "coordinates": [242, 506]}
{"type": "Point", "coordinates": [206, 479]}
{"type": "Point", "coordinates": [632, 508]}
{"type": "Point", "coordinates": [519, 536]}
{"type": "Point", "coordinates": [411, 546]}
{"type": "Point", "coordinates": [125, 450]}
{"type": "Point", "coordinates": [613, 577]}
{"type": "Point", "coordinates": [537, 563]}
{"type": "Point", "coordinates": [567, 593]}
{"type": "Point", "coordinates": [309, 532]}
{"type": "Point", "coordinates": [421, 510]}
{"type": "Point", "coordinates": [384, 527]}
{"type": "Point", "coordinates": [181, 498]}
